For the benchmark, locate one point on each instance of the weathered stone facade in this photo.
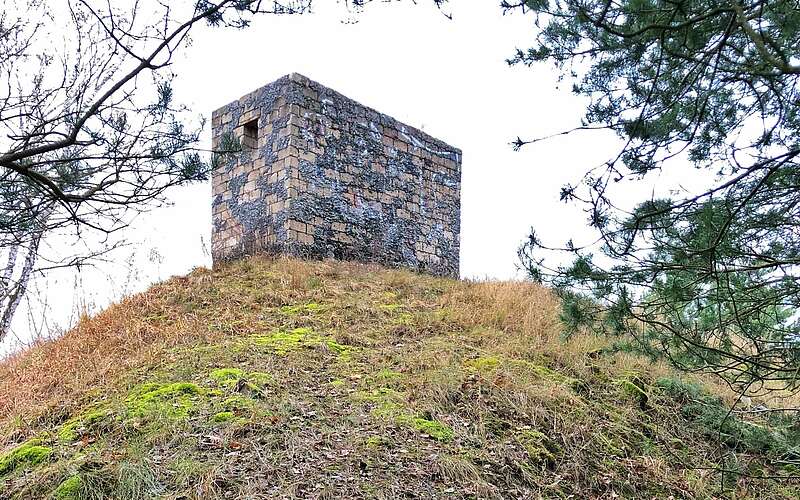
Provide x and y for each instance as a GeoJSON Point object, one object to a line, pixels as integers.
{"type": "Point", "coordinates": [324, 176]}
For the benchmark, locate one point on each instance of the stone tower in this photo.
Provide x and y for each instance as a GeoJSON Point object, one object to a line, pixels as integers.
{"type": "Point", "coordinates": [321, 175]}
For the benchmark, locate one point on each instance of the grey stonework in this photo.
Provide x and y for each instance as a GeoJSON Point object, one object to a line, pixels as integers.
{"type": "Point", "coordinates": [324, 176]}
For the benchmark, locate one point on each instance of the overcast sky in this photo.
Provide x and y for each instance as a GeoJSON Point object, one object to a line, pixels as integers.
{"type": "Point", "coordinates": [448, 77]}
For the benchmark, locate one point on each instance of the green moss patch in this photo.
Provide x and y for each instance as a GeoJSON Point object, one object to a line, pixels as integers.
{"type": "Point", "coordinates": [389, 403]}
{"type": "Point", "coordinates": [222, 416]}
{"type": "Point", "coordinates": [27, 455]}
{"type": "Point", "coordinates": [632, 385]}
{"type": "Point", "coordinates": [261, 379]}
{"type": "Point", "coordinates": [81, 425]}
{"type": "Point", "coordinates": [432, 428]}
{"type": "Point", "coordinates": [175, 399]}
{"type": "Point", "coordinates": [252, 382]}
{"type": "Point", "coordinates": [374, 442]}
{"type": "Point", "coordinates": [385, 402]}
{"type": "Point", "coordinates": [226, 376]}
{"type": "Point", "coordinates": [70, 489]}
{"type": "Point", "coordinates": [540, 448]}
{"type": "Point", "coordinates": [390, 307]}
{"type": "Point", "coordinates": [284, 342]}
{"type": "Point", "coordinates": [385, 377]}
{"type": "Point", "coordinates": [309, 308]}
{"type": "Point", "coordinates": [483, 364]}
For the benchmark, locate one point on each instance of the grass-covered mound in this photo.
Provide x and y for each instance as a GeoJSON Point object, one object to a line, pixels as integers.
{"type": "Point", "coordinates": [288, 379]}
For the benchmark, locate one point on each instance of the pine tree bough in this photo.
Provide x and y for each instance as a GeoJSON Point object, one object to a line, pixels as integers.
{"type": "Point", "coordinates": [708, 279]}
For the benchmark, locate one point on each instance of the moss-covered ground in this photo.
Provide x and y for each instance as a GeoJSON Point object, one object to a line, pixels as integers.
{"type": "Point", "coordinates": [289, 379]}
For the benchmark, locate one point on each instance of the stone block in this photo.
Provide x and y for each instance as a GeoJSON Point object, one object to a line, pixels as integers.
{"type": "Point", "coordinates": [327, 175]}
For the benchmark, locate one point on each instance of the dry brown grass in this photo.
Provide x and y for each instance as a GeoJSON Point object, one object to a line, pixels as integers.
{"type": "Point", "coordinates": [528, 316]}
{"type": "Point", "coordinates": [91, 354]}
{"type": "Point", "coordinates": [485, 359]}
{"type": "Point", "coordinates": [136, 331]}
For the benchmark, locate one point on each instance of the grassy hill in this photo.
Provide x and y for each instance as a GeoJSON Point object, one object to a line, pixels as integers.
{"type": "Point", "coordinates": [289, 379]}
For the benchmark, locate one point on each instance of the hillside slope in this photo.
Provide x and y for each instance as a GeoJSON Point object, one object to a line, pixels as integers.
{"type": "Point", "coordinates": [290, 379]}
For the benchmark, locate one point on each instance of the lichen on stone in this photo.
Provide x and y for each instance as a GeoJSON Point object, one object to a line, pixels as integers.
{"type": "Point", "coordinates": [320, 220]}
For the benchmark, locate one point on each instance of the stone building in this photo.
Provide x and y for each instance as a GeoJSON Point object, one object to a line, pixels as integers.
{"type": "Point", "coordinates": [321, 175]}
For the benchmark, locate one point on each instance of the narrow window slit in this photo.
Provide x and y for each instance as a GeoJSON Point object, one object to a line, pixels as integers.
{"type": "Point", "coordinates": [250, 134]}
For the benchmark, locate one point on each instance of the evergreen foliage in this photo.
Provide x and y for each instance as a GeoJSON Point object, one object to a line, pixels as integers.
{"type": "Point", "coordinates": [708, 279]}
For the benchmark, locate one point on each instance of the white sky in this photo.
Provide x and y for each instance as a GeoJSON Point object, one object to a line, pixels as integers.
{"type": "Point", "coordinates": [448, 77]}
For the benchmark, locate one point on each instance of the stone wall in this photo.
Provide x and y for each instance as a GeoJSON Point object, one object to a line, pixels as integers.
{"type": "Point", "coordinates": [324, 176]}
